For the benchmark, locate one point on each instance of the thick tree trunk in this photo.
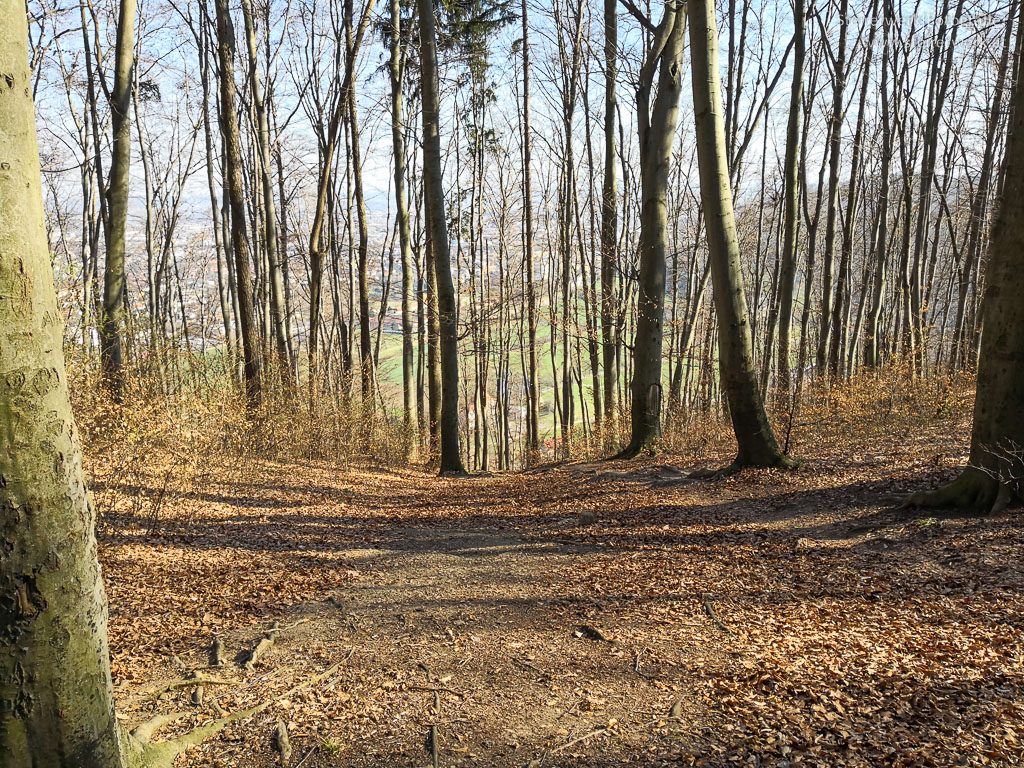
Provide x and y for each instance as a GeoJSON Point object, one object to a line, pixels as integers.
{"type": "Point", "coordinates": [451, 455]}
{"type": "Point", "coordinates": [756, 442]}
{"type": "Point", "coordinates": [56, 698]}
{"type": "Point", "coordinates": [995, 468]}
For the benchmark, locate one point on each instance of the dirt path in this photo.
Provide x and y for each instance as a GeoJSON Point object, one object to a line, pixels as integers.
{"type": "Point", "coordinates": [768, 619]}
{"type": "Point", "coordinates": [528, 668]}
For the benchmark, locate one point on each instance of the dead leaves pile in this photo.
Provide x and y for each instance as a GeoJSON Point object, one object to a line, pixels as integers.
{"type": "Point", "coordinates": [798, 619]}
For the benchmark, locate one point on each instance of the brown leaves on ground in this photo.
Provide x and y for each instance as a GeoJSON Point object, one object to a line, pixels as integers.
{"type": "Point", "coordinates": [769, 618]}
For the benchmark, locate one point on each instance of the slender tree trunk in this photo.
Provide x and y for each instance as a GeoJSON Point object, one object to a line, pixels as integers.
{"type": "Point", "coordinates": [396, 70]}
{"type": "Point", "coordinates": [251, 345]}
{"type": "Point", "coordinates": [832, 210]}
{"type": "Point", "coordinates": [451, 455]}
{"type": "Point", "coordinates": [880, 237]}
{"type": "Point", "coordinates": [278, 313]}
{"type": "Point", "coordinates": [754, 436]}
{"type": "Point", "coordinates": [533, 376]}
{"type": "Point", "coordinates": [114, 299]}
{"type": "Point", "coordinates": [609, 213]}
{"type": "Point", "coordinates": [791, 192]}
{"type": "Point", "coordinates": [840, 307]}
{"type": "Point", "coordinates": [657, 128]}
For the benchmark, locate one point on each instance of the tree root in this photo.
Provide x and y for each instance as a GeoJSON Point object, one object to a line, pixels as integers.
{"type": "Point", "coordinates": [634, 449]}
{"type": "Point", "coordinates": [142, 752]}
{"type": "Point", "coordinates": [974, 491]}
{"type": "Point", "coordinates": [738, 464]}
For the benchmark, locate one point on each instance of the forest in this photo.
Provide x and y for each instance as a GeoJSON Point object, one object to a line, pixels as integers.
{"type": "Point", "coordinates": [513, 384]}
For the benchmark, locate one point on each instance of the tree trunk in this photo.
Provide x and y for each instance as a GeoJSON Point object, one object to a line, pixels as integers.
{"type": "Point", "coordinates": [791, 173]}
{"type": "Point", "coordinates": [532, 377]}
{"type": "Point", "coordinates": [112, 321]}
{"type": "Point", "coordinates": [609, 213]}
{"type": "Point", "coordinates": [278, 312]}
{"type": "Point", "coordinates": [451, 455]}
{"type": "Point", "coordinates": [56, 698]}
{"type": "Point", "coordinates": [832, 210]}
{"type": "Point", "coordinates": [657, 129]}
{"type": "Point", "coordinates": [251, 346]}
{"type": "Point", "coordinates": [995, 468]}
{"type": "Point", "coordinates": [756, 442]}
{"type": "Point", "coordinates": [396, 70]}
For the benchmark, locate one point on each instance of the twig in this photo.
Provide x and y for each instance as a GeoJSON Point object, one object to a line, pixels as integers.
{"type": "Point", "coordinates": [306, 757]}
{"type": "Point", "coordinates": [584, 737]}
{"type": "Point", "coordinates": [710, 611]}
{"type": "Point", "coordinates": [434, 689]}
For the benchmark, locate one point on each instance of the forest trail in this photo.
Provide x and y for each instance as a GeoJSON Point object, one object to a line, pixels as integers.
{"type": "Point", "coordinates": [765, 619]}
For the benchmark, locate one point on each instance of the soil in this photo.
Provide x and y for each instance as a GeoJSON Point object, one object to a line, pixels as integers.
{"type": "Point", "coordinates": [600, 614]}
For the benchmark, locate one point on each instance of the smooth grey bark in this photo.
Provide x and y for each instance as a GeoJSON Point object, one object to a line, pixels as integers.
{"type": "Point", "coordinates": [56, 697]}
{"type": "Point", "coordinates": [112, 321]}
{"type": "Point", "coordinates": [656, 124]}
{"type": "Point", "coordinates": [448, 343]}
{"type": "Point", "coordinates": [755, 440]}
{"type": "Point", "coordinates": [992, 479]}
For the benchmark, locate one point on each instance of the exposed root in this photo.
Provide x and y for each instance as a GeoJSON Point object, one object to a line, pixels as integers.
{"type": "Point", "coordinates": [249, 659]}
{"type": "Point", "coordinates": [782, 461]}
{"type": "Point", "coordinates": [716, 474]}
{"type": "Point", "coordinates": [143, 752]}
{"type": "Point", "coordinates": [631, 451]}
{"type": "Point", "coordinates": [974, 491]}
{"type": "Point", "coordinates": [634, 449]}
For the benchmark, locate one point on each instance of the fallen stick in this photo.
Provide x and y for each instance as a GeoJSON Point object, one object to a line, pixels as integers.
{"type": "Point", "coordinates": [580, 739]}
{"type": "Point", "coordinates": [306, 757]}
{"type": "Point", "coordinates": [710, 611]}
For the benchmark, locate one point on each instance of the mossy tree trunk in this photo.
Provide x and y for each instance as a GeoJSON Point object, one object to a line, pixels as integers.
{"type": "Point", "coordinates": [995, 468]}
{"type": "Point", "coordinates": [756, 441]}
{"type": "Point", "coordinates": [56, 699]}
